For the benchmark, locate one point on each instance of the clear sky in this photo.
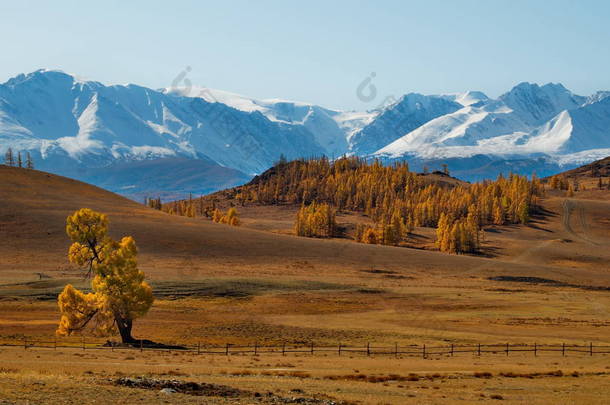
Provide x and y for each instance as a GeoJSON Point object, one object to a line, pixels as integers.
{"type": "Point", "coordinates": [316, 51]}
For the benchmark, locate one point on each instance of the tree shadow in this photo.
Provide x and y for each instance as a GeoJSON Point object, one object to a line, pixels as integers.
{"type": "Point", "coordinates": [489, 252]}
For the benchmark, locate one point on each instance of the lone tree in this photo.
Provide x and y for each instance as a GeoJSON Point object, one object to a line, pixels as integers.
{"type": "Point", "coordinates": [120, 293]}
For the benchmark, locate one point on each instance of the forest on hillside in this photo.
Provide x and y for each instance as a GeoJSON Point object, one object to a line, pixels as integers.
{"type": "Point", "coordinates": [396, 199]}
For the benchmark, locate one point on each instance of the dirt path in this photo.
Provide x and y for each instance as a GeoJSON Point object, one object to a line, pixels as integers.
{"type": "Point", "coordinates": [573, 206]}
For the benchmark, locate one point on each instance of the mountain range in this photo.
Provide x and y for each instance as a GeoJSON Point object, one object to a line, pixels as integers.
{"type": "Point", "coordinates": [171, 142]}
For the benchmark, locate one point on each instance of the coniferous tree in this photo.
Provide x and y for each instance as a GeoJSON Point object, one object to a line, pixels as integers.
{"type": "Point", "coordinates": [29, 163]}
{"type": "Point", "coordinates": [119, 293]}
{"type": "Point", "coordinates": [370, 236]}
{"type": "Point", "coordinates": [9, 158]}
{"type": "Point", "coordinates": [217, 215]}
{"type": "Point", "coordinates": [231, 217]}
{"type": "Point", "coordinates": [315, 220]}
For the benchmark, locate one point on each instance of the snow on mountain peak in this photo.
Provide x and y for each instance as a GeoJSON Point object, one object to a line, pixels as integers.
{"type": "Point", "coordinates": [467, 98]}
{"type": "Point", "coordinates": [599, 96]}
{"type": "Point", "coordinates": [537, 104]}
{"type": "Point", "coordinates": [70, 122]}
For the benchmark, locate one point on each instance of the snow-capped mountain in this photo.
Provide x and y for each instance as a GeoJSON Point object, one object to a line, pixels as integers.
{"type": "Point", "coordinates": [73, 127]}
{"type": "Point", "coordinates": [529, 120]}
{"type": "Point", "coordinates": [330, 128]}
{"type": "Point", "coordinates": [53, 113]}
{"type": "Point", "coordinates": [199, 139]}
{"type": "Point", "coordinates": [407, 114]}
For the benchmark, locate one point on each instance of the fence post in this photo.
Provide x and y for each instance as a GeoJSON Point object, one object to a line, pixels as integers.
{"type": "Point", "coordinates": [198, 347]}
{"type": "Point", "coordinates": [312, 347]}
{"type": "Point", "coordinates": [591, 348]}
{"type": "Point", "coordinates": [368, 349]}
{"type": "Point", "coordinates": [535, 349]}
{"type": "Point", "coordinates": [451, 349]}
{"type": "Point", "coordinates": [283, 348]}
{"type": "Point", "coordinates": [563, 349]}
{"type": "Point", "coordinates": [424, 351]}
{"type": "Point", "coordinates": [396, 350]}
{"type": "Point", "coordinates": [339, 349]}
{"type": "Point", "coordinates": [255, 348]}
{"type": "Point", "coordinates": [227, 350]}
{"type": "Point", "coordinates": [479, 350]}
{"type": "Point", "coordinates": [507, 348]}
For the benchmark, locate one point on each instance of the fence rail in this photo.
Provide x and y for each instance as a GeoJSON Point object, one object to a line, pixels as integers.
{"type": "Point", "coordinates": [340, 349]}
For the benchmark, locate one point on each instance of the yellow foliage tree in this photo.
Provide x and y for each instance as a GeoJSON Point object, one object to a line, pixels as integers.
{"type": "Point", "coordinates": [458, 235]}
{"type": "Point", "coordinates": [316, 220]}
{"type": "Point", "coordinates": [231, 217]}
{"type": "Point", "coordinates": [370, 236]}
{"type": "Point", "coordinates": [119, 293]}
{"type": "Point", "coordinates": [216, 215]}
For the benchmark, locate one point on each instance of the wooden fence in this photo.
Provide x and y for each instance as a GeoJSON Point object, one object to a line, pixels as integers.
{"type": "Point", "coordinates": [395, 350]}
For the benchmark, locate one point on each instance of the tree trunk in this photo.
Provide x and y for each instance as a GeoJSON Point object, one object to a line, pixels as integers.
{"type": "Point", "coordinates": [125, 326]}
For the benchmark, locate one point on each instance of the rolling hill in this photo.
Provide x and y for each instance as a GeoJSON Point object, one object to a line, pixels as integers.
{"type": "Point", "coordinates": [214, 284]}
{"type": "Point", "coordinates": [35, 204]}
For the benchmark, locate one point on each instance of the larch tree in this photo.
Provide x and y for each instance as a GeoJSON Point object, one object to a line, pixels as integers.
{"type": "Point", "coordinates": [316, 220]}
{"type": "Point", "coordinates": [29, 162]}
{"type": "Point", "coordinates": [231, 217]}
{"type": "Point", "coordinates": [119, 293]}
{"type": "Point", "coordinates": [9, 158]}
{"type": "Point", "coordinates": [370, 236]}
{"type": "Point", "coordinates": [217, 215]}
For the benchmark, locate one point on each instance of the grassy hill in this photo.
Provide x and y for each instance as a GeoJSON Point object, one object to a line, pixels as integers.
{"type": "Point", "coordinates": [599, 168]}
{"type": "Point", "coordinates": [35, 205]}
{"type": "Point", "coordinates": [546, 282]}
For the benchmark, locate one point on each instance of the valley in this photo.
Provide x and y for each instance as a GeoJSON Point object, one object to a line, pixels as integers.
{"type": "Point", "coordinates": [546, 282]}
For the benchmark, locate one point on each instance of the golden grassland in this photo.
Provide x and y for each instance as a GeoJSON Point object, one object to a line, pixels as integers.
{"type": "Point", "coordinates": [75, 377]}
{"type": "Point", "coordinates": [218, 284]}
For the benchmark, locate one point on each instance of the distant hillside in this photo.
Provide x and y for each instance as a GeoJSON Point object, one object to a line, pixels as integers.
{"type": "Point", "coordinates": [33, 215]}
{"type": "Point", "coordinates": [167, 178]}
{"type": "Point", "coordinates": [395, 199]}
{"type": "Point", "coordinates": [599, 168]}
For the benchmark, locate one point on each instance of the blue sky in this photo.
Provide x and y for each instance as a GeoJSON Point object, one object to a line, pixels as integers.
{"type": "Point", "coordinates": [317, 51]}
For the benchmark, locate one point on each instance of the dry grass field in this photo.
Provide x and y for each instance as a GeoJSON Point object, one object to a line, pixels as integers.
{"type": "Point", "coordinates": [548, 282]}
{"type": "Point", "coordinates": [76, 377]}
